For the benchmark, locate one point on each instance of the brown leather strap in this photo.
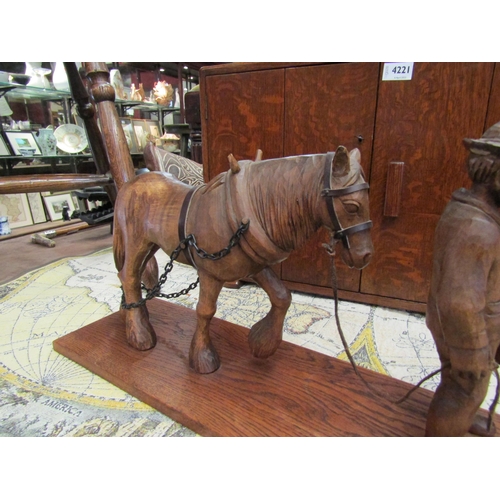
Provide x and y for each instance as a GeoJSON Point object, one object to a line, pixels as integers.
{"type": "Point", "coordinates": [343, 233]}
{"type": "Point", "coordinates": [181, 228]}
{"type": "Point", "coordinates": [346, 190]}
{"type": "Point", "coordinates": [328, 193]}
{"type": "Point", "coordinates": [327, 187]}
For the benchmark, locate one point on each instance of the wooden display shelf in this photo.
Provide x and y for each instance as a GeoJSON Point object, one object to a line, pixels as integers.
{"type": "Point", "coordinates": [296, 392]}
{"type": "Point", "coordinates": [40, 227]}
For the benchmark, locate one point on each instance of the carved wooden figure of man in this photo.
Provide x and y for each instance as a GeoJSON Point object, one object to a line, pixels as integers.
{"type": "Point", "coordinates": [463, 309]}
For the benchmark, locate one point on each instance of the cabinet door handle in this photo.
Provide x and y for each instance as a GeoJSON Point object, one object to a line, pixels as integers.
{"type": "Point", "coordinates": [393, 188]}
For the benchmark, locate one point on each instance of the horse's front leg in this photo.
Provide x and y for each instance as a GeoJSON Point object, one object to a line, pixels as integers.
{"type": "Point", "coordinates": [265, 336]}
{"type": "Point", "coordinates": [203, 357]}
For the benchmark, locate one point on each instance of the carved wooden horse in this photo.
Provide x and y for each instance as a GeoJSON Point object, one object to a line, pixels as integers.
{"type": "Point", "coordinates": [285, 201]}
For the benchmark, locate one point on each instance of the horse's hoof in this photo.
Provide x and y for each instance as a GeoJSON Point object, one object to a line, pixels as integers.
{"type": "Point", "coordinates": [262, 340]}
{"type": "Point", "coordinates": [140, 332]}
{"type": "Point", "coordinates": [142, 343]}
{"type": "Point", "coordinates": [204, 361]}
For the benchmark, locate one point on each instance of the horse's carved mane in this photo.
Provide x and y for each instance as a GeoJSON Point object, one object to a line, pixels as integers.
{"type": "Point", "coordinates": [285, 194]}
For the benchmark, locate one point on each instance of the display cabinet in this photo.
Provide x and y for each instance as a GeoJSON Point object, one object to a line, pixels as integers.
{"type": "Point", "coordinates": [36, 111]}
{"type": "Point", "coordinates": [50, 104]}
{"type": "Point", "coordinates": [33, 106]}
{"type": "Point", "coordinates": [409, 131]}
{"type": "Point", "coordinates": [27, 104]}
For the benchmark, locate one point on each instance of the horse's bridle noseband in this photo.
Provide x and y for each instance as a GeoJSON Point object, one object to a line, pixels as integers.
{"type": "Point", "coordinates": [341, 233]}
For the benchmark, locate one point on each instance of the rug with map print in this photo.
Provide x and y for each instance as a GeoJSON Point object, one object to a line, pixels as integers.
{"type": "Point", "coordinates": [45, 394]}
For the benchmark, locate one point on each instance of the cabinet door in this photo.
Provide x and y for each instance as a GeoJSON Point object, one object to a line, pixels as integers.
{"type": "Point", "coordinates": [244, 113]}
{"type": "Point", "coordinates": [421, 123]}
{"type": "Point", "coordinates": [328, 106]}
{"type": "Point", "coordinates": [494, 102]}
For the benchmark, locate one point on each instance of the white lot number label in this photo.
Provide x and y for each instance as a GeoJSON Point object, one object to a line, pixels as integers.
{"type": "Point", "coordinates": [397, 71]}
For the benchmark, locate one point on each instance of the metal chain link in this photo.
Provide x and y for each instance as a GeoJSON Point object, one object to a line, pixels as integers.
{"type": "Point", "coordinates": [188, 241]}
{"type": "Point", "coordinates": [235, 239]}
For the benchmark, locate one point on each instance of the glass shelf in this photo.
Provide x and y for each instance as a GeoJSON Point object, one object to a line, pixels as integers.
{"type": "Point", "coordinates": [25, 92]}
{"type": "Point", "coordinates": [144, 105]}
{"type": "Point", "coordinates": [18, 91]}
{"type": "Point", "coordinates": [51, 157]}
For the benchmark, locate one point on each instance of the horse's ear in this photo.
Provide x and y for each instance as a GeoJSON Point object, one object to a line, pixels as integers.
{"type": "Point", "coordinates": [233, 164]}
{"type": "Point", "coordinates": [340, 163]}
{"type": "Point", "coordinates": [355, 155]}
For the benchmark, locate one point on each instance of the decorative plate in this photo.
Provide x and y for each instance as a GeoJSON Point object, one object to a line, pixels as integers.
{"type": "Point", "coordinates": [71, 138]}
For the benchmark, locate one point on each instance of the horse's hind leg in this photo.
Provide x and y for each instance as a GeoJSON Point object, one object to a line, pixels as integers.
{"type": "Point", "coordinates": [203, 357]}
{"type": "Point", "coordinates": [265, 336]}
{"type": "Point", "coordinates": [151, 274]}
{"type": "Point", "coordinates": [140, 332]}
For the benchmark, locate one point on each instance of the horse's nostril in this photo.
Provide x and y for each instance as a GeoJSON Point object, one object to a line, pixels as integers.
{"type": "Point", "coordinates": [367, 258]}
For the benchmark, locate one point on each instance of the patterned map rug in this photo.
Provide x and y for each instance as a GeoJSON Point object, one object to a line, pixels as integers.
{"type": "Point", "coordinates": [45, 394]}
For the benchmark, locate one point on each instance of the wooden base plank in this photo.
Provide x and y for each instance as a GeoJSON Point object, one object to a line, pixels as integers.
{"type": "Point", "coordinates": [296, 392]}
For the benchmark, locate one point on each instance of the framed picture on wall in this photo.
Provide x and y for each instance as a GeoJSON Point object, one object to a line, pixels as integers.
{"type": "Point", "coordinates": [23, 143]}
{"type": "Point", "coordinates": [36, 207]}
{"type": "Point", "coordinates": [55, 205]}
{"type": "Point", "coordinates": [154, 128]}
{"type": "Point", "coordinates": [141, 130]}
{"type": "Point", "coordinates": [17, 209]}
{"type": "Point", "coordinates": [129, 132]}
{"type": "Point", "coordinates": [4, 149]}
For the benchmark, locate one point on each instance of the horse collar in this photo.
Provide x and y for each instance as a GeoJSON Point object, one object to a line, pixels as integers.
{"type": "Point", "coordinates": [328, 193]}
{"type": "Point", "coordinates": [181, 227]}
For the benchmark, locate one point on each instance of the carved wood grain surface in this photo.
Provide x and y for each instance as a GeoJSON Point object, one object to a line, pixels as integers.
{"type": "Point", "coordinates": [244, 113]}
{"type": "Point", "coordinates": [393, 188]}
{"type": "Point", "coordinates": [363, 298]}
{"type": "Point", "coordinates": [52, 182]}
{"type": "Point", "coordinates": [328, 106]}
{"type": "Point", "coordinates": [494, 104]}
{"type": "Point", "coordinates": [422, 123]}
{"type": "Point", "coordinates": [311, 264]}
{"type": "Point", "coordinates": [120, 161]}
{"type": "Point", "coordinates": [297, 392]}
{"type": "Point", "coordinates": [221, 69]}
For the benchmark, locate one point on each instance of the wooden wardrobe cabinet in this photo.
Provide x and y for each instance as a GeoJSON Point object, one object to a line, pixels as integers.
{"type": "Point", "coordinates": [414, 126]}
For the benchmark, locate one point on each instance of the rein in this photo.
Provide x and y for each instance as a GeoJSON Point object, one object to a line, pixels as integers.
{"type": "Point", "coordinates": [330, 248]}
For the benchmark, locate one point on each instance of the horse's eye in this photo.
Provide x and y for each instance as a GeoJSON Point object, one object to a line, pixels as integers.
{"type": "Point", "coordinates": [350, 207]}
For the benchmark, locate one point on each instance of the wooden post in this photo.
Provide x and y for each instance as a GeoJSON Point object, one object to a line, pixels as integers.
{"type": "Point", "coordinates": [120, 161]}
{"type": "Point", "coordinates": [54, 182]}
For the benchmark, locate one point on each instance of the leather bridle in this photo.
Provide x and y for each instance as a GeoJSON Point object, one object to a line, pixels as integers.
{"type": "Point", "coordinates": [341, 233]}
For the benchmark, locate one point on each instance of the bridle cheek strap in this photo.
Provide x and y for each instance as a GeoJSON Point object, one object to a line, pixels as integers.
{"type": "Point", "coordinates": [341, 233]}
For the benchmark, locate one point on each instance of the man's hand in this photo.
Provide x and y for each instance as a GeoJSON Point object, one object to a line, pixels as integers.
{"type": "Point", "coordinates": [471, 364]}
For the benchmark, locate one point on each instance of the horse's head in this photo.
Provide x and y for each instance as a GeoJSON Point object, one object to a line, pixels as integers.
{"type": "Point", "coordinates": [347, 213]}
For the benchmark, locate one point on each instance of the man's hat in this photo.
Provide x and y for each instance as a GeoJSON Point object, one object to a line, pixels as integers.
{"type": "Point", "coordinates": [489, 142]}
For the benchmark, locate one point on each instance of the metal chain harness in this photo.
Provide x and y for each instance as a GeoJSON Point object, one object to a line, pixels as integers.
{"type": "Point", "coordinates": [188, 241]}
